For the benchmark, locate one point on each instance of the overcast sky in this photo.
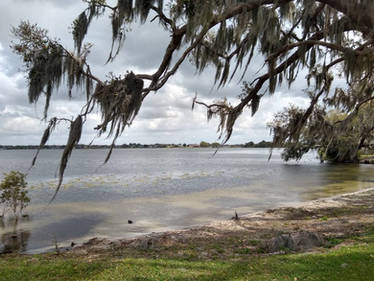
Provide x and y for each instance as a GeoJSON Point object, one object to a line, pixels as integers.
{"type": "Point", "coordinates": [165, 117]}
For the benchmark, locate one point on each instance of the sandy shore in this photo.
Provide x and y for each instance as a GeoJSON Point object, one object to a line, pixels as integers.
{"type": "Point", "coordinates": [326, 222]}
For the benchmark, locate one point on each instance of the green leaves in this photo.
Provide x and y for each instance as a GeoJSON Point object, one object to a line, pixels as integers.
{"type": "Point", "coordinates": [338, 136]}
{"type": "Point", "coordinates": [13, 191]}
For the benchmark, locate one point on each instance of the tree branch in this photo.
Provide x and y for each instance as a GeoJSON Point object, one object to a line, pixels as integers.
{"type": "Point", "coordinates": [179, 33]}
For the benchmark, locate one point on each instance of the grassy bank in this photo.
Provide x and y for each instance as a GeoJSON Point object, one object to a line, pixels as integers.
{"type": "Point", "coordinates": [352, 262]}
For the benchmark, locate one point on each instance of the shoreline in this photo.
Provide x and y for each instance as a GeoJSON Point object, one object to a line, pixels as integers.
{"type": "Point", "coordinates": [333, 218]}
{"type": "Point", "coordinates": [329, 198]}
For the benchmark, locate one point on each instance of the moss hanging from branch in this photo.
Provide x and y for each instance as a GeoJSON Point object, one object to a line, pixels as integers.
{"type": "Point", "coordinates": [119, 101]}
{"type": "Point", "coordinates": [47, 133]}
{"type": "Point", "coordinates": [47, 63]}
{"type": "Point", "coordinates": [80, 28]}
{"type": "Point", "coordinates": [73, 139]}
{"type": "Point", "coordinates": [81, 24]}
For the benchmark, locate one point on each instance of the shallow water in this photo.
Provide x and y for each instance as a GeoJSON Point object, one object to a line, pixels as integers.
{"type": "Point", "coordinates": [160, 189]}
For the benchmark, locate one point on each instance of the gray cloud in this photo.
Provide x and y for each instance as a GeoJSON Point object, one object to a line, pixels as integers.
{"type": "Point", "coordinates": [164, 117]}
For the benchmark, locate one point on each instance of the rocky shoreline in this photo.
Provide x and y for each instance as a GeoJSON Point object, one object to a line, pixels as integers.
{"type": "Point", "coordinates": [308, 226]}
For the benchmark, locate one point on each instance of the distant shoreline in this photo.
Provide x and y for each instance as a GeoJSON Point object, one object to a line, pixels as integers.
{"type": "Point", "coordinates": [262, 144]}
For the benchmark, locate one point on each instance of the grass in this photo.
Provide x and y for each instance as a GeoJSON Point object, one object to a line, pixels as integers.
{"type": "Point", "coordinates": [354, 262]}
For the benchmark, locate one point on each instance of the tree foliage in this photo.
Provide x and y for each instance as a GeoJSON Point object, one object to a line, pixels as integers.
{"type": "Point", "coordinates": [319, 36]}
{"type": "Point", "coordinates": [13, 192]}
{"type": "Point", "coordinates": [336, 135]}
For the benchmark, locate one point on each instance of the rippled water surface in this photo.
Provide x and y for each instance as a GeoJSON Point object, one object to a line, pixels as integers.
{"type": "Point", "coordinates": [160, 189]}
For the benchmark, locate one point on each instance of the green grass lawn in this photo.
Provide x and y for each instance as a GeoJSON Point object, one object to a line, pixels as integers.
{"type": "Point", "coordinates": [354, 262]}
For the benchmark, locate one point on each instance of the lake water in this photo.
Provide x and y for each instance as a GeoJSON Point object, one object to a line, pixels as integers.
{"type": "Point", "coordinates": [160, 189]}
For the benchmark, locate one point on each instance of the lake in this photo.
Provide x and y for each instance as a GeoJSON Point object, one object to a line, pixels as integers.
{"type": "Point", "coordinates": [160, 189]}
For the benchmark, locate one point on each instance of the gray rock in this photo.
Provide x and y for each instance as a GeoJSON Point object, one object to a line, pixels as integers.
{"type": "Point", "coordinates": [299, 241]}
{"type": "Point", "coordinates": [100, 248]}
{"type": "Point", "coordinates": [116, 244]}
{"type": "Point", "coordinates": [147, 243]}
{"type": "Point", "coordinates": [96, 241]}
{"type": "Point", "coordinates": [80, 251]}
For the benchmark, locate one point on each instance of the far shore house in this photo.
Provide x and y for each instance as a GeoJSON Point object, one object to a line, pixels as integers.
{"type": "Point", "coordinates": [194, 145]}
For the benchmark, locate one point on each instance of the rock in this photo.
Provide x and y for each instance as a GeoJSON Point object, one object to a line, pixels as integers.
{"type": "Point", "coordinates": [295, 241]}
{"type": "Point", "coordinates": [116, 244]}
{"type": "Point", "coordinates": [307, 240]}
{"type": "Point", "coordinates": [147, 243]}
{"type": "Point", "coordinates": [100, 248]}
{"type": "Point", "coordinates": [80, 251]}
{"type": "Point", "coordinates": [97, 245]}
{"type": "Point", "coordinates": [278, 243]}
{"type": "Point", "coordinates": [96, 241]}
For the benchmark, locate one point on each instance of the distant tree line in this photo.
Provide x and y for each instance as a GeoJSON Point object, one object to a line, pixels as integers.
{"type": "Point", "coordinates": [139, 145]}
{"type": "Point", "coordinates": [260, 144]}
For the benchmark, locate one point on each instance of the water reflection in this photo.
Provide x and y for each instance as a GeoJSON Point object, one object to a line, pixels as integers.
{"type": "Point", "coordinates": [333, 180]}
{"type": "Point", "coordinates": [160, 189]}
{"type": "Point", "coordinates": [16, 240]}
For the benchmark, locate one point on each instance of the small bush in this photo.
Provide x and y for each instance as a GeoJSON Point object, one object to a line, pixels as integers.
{"type": "Point", "coordinates": [13, 193]}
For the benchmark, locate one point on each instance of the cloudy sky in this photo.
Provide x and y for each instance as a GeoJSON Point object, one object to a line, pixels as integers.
{"type": "Point", "coordinates": [165, 117]}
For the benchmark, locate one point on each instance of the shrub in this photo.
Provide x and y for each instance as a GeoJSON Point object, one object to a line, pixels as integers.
{"type": "Point", "coordinates": [204, 144]}
{"type": "Point", "coordinates": [13, 193]}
